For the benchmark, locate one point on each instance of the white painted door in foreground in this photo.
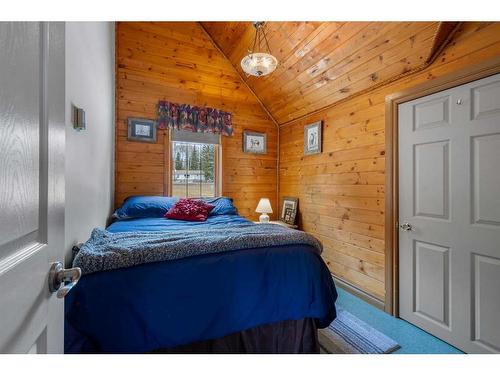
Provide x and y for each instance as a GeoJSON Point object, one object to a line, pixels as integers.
{"type": "Point", "coordinates": [31, 184]}
{"type": "Point", "coordinates": [449, 194]}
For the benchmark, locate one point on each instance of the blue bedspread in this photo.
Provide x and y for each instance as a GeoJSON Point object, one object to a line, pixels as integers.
{"type": "Point", "coordinates": [165, 304]}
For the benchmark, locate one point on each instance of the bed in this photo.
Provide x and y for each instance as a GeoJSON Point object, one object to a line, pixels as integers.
{"type": "Point", "coordinates": [265, 299]}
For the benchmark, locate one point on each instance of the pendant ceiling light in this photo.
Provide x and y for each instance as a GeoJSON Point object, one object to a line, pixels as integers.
{"type": "Point", "coordinates": [259, 62]}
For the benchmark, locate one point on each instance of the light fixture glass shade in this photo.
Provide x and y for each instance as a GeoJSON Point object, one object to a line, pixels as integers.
{"type": "Point", "coordinates": [264, 206]}
{"type": "Point", "coordinates": [259, 64]}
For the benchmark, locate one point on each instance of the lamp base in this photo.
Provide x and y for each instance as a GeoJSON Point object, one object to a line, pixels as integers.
{"type": "Point", "coordinates": [264, 218]}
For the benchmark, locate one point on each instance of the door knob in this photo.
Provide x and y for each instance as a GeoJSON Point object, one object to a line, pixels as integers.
{"type": "Point", "coordinates": [406, 227]}
{"type": "Point", "coordinates": [61, 280]}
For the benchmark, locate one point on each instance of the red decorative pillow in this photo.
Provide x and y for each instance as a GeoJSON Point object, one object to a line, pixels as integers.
{"type": "Point", "coordinates": [189, 210]}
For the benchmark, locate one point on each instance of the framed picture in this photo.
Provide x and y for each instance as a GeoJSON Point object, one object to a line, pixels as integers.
{"type": "Point", "coordinates": [312, 138]}
{"type": "Point", "coordinates": [141, 130]}
{"type": "Point", "coordinates": [289, 210]}
{"type": "Point", "coordinates": [254, 143]}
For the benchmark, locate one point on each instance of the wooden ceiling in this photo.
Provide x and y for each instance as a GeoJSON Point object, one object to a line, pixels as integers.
{"type": "Point", "coordinates": [322, 63]}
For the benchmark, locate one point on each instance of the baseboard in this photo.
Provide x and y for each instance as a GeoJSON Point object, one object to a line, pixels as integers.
{"type": "Point", "coordinates": [359, 293]}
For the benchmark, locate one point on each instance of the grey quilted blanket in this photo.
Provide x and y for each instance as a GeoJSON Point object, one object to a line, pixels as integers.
{"type": "Point", "coordinates": [106, 251]}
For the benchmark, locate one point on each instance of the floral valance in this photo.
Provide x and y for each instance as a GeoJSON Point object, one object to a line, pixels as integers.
{"type": "Point", "coordinates": [196, 119]}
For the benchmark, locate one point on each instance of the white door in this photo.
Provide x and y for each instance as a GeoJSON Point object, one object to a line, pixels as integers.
{"type": "Point", "coordinates": [449, 214]}
{"type": "Point", "coordinates": [31, 184]}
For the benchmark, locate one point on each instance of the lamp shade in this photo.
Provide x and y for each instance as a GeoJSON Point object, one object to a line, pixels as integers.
{"type": "Point", "coordinates": [264, 206]}
{"type": "Point", "coordinates": [259, 61]}
{"type": "Point", "coordinates": [259, 64]}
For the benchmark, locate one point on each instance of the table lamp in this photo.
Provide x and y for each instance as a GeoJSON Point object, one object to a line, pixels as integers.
{"type": "Point", "coordinates": [264, 208]}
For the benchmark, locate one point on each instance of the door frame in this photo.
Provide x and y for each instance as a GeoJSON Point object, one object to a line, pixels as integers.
{"type": "Point", "coordinates": [456, 78]}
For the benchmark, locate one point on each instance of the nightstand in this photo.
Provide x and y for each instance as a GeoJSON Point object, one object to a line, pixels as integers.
{"type": "Point", "coordinates": [282, 223]}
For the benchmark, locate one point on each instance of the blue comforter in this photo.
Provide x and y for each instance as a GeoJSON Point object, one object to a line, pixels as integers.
{"type": "Point", "coordinates": [165, 304]}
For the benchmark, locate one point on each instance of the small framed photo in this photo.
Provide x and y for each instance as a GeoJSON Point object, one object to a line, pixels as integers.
{"type": "Point", "coordinates": [312, 138]}
{"type": "Point", "coordinates": [254, 143]}
{"type": "Point", "coordinates": [289, 208]}
{"type": "Point", "coordinates": [141, 130]}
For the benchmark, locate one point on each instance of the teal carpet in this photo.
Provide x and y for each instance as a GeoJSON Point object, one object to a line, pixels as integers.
{"type": "Point", "coordinates": [412, 339]}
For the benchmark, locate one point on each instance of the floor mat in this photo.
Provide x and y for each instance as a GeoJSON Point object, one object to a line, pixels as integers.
{"type": "Point", "coordinates": [350, 335]}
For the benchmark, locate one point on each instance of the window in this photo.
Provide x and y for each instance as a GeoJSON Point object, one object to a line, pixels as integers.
{"type": "Point", "coordinates": [194, 165]}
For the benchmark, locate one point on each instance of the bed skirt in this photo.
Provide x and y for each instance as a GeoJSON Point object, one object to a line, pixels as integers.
{"type": "Point", "coordinates": [287, 337]}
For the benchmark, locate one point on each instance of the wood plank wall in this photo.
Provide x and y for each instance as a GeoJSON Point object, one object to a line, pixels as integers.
{"type": "Point", "coordinates": [341, 191]}
{"type": "Point", "coordinates": [176, 61]}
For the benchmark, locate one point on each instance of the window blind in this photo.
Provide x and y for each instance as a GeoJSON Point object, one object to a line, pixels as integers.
{"type": "Point", "coordinates": [187, 136]}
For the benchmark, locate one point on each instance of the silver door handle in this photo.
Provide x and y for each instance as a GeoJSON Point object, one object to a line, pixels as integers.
{"type": "Point", "coordinates": [406, 227]}
{"type": "Point", "coordinates": [61, 280]}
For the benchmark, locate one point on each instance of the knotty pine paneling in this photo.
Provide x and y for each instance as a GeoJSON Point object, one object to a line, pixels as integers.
{"type": "Point", "coordinates": [176, 61]}
{"type": "Point", "coordinates": [321, 63]}
{"type": "Point", "coordinates": [341, 191]}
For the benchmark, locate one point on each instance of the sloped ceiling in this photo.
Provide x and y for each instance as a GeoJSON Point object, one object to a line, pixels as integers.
{"type": "Point", "coordinates": [321, 63]}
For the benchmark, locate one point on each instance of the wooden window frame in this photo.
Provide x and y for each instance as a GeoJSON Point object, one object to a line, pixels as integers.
{"type": "Point", "coordinates": [457, 78]}
{"type": "Point", "coordinates": [167, 182]}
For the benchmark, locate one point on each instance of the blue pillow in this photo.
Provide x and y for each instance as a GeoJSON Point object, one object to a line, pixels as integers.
{"type": "Point", "coordinates": [144, 206]}
{"type": "Point", "coordinates": [223, 206]}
